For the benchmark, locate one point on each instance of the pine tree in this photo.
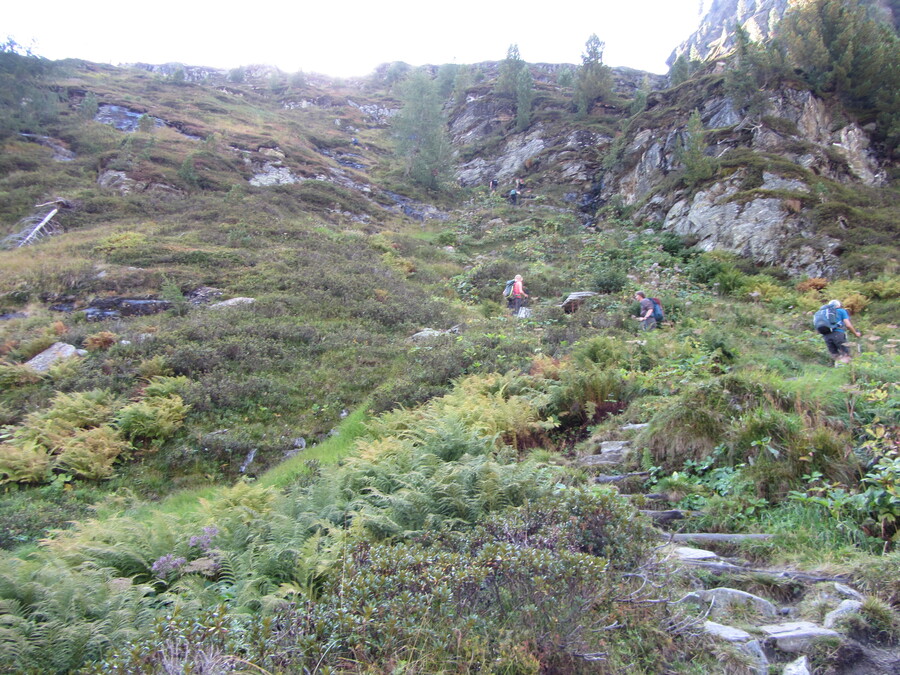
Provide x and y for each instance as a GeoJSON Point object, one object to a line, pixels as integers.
{"type": "Point", "coordinates": [839, 48]}
{"type": "Point", "coordinates": [692, 153]}
{"type": "Point", "coordinates": [446, 77]}
{"type": "Point", "coordinates": [510, 67]}
{"type": "Point", "coordinates": [748, 75]}
{"type": "Point", "coordinates": [420, 132]}
{"type": "Point", "coordinates": [461, 84]}
{"type": "Point", "coordinates": [566, 77]}
{"type": "Point", "coordinates": [682, 70]}
{"type": "Point", "coordinates": [594, 80]}
{"type": "Point", "coordinates": [87, 111]}
{"type": "Point", "coordinates": [524, 99]}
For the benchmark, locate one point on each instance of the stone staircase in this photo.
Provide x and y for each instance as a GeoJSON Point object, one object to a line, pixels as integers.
{"type": "Point", "coordinates": [770, 637]}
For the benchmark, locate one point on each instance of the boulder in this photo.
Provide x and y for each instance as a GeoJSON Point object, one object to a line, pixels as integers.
{"type": "Point", "coordinates": [796, 636]}
{"type": "Point", "coordinates": [58, 351]}
{"type": "Point", "coordinates": [764, 229]}
{"type": "Point", "coordinates": [846, 608]}
{"type": "Point", "coordinates": [847, 592]}
{"type": "Point", "coordinates": [798, 667]}
{"type": "Point", "coordinates": [723, 599]}
{"type": "Point", "coordinates": [273, 173]}
{"type": "Point", "coordinates": [744, 642]}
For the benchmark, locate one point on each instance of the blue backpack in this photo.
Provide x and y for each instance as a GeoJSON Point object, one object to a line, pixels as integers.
{"type": "Point", "coordinates": [657, 310]}
{"type": "Point", "coordinates": [826, 319]}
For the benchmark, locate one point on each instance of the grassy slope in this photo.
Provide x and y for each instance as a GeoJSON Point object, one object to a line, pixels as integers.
{"type": "Point", "coordinates": [340, 283]}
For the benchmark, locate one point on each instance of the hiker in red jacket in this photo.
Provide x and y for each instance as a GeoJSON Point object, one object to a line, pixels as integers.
{"type": "Point", "coordinates": [518, 294]}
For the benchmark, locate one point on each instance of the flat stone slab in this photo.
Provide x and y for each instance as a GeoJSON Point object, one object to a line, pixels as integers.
{"type": "Point", "coordinates": [688, 553]}
{"type": "Point", "coordinates": [426, 334]}
{"type": "Point", "coordinates": [796, 636]}
{"type": "Point", "coordinates": [727, 633]}
{"type": "Point", "coordinates": [629, 427]}
{"type": "Point", "coordinates": [232, 302]}
{"type": "Point", "coordinates": [47, 358]}
{"type": "Point", "coordinates": [614, 452]}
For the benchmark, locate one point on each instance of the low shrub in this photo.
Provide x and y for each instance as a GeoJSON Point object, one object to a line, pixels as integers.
{"type": "Point", "coordinates": [814, 284]}
{"type": "Point", "coordinates": [100, 341]}
{"type": "Point", "coordinates": [152, 419]}
{"type": "Point", "coordinates": [688, 427]}
{"type": "Point", "coordinates": [91, 453]}
{"type": "Point", "coordinates": [608, 280]}
{"type": "Point", "coordinates": [27, 462]}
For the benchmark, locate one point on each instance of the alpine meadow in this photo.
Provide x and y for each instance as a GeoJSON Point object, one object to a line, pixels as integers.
{"type": "Point", "coordinates": [503, 367]}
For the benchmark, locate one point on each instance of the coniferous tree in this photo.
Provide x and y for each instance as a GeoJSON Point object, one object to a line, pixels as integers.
{"type": "Point", "coordinates": [566, 77]}
{"type": "Point", "coordinates": [748, 75]}
{"type": "Point", "coordinates": [461, 84]}
{"type": "Point", "coordinates": [524, 99]}
{"type": "Point", "coordinates": [594, 79]}
{"type": "Point", "coordinates": [640, 98]}
{"type": "Point", "coordinates": [682, 70]}
{"type": "Point", "coordinates": [446, 77]}
{"type": "Point", "coordinates": [420, 131]}
{"type": "Point", "coordinates": [87, 111]}
{"type": "Point", "coordinates": [26, 103]}
{"type": "Point", "coordinates": [838, 47]}
{"type": "Point", "coordinates": [510, 67]}
{"type": "Point", "coordinates": [692, 153]}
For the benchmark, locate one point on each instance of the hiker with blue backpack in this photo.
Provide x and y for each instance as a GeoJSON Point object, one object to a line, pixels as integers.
{"type": "Point", "coordinates": [515, 294]}
{"type": "Point", "coordinates": [831, 321]}
{"type": "Point", "coordinates": [650, 313]}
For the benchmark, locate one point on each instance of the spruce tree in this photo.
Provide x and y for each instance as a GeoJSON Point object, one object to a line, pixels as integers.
{"type": "Point", "coordinates": [594, 80]}
{"type": "Point", "coordinates": [692, 152]}
{"type": "Point", "coordinates": [420, 132]}
{"type": "Point", "coordinates": [510, 67]}
{"type": "Point", "coordinates": [87, 111]}
{"type": "Point", "coordinates": [840, 47]}
{"type": "Point", "coordinates": [748, 74]}
{"type": "Point", "coordinates": [524, 99]}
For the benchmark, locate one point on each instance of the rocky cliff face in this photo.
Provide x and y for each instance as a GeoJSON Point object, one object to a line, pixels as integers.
{"type": "Point", "coordinates": [715, 35]}
{"type": "Point", "coordinates": [763, 215]}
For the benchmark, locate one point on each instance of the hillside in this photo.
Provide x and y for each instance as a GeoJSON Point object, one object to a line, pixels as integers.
{"type": "Point", "coordinates": [295, 427]}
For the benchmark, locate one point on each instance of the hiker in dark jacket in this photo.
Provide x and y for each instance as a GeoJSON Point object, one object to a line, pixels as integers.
{"type": "Point", "coordinates": [645, 315]}
{"type": "Point", "coordinates": [837, 338]}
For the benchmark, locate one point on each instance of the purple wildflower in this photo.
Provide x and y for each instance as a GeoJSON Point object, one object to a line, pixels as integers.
{"type": "Point", "coordinates": [167, 564]}
{"type": "Point", "coordinates": [204, 541]}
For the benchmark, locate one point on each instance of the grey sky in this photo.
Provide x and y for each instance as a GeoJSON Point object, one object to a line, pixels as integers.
{"type": "Point", "coordinates": [350, 38]}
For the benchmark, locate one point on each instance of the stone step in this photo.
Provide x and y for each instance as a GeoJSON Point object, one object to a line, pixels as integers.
{"type": "Point", "coordinates": [796, 636]}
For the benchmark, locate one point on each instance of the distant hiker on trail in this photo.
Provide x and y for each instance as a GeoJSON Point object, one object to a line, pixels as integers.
{"type": "Point", "coordinates": [650, 313]}
{"type": "Point", "coordinates": [518, 294]}
{"type": "Point", "coordinates": [493, 184]}
{"type": "Point", "coordinates": [830, 321]}
{"type": "Point", "coordinates": [513, 196]}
